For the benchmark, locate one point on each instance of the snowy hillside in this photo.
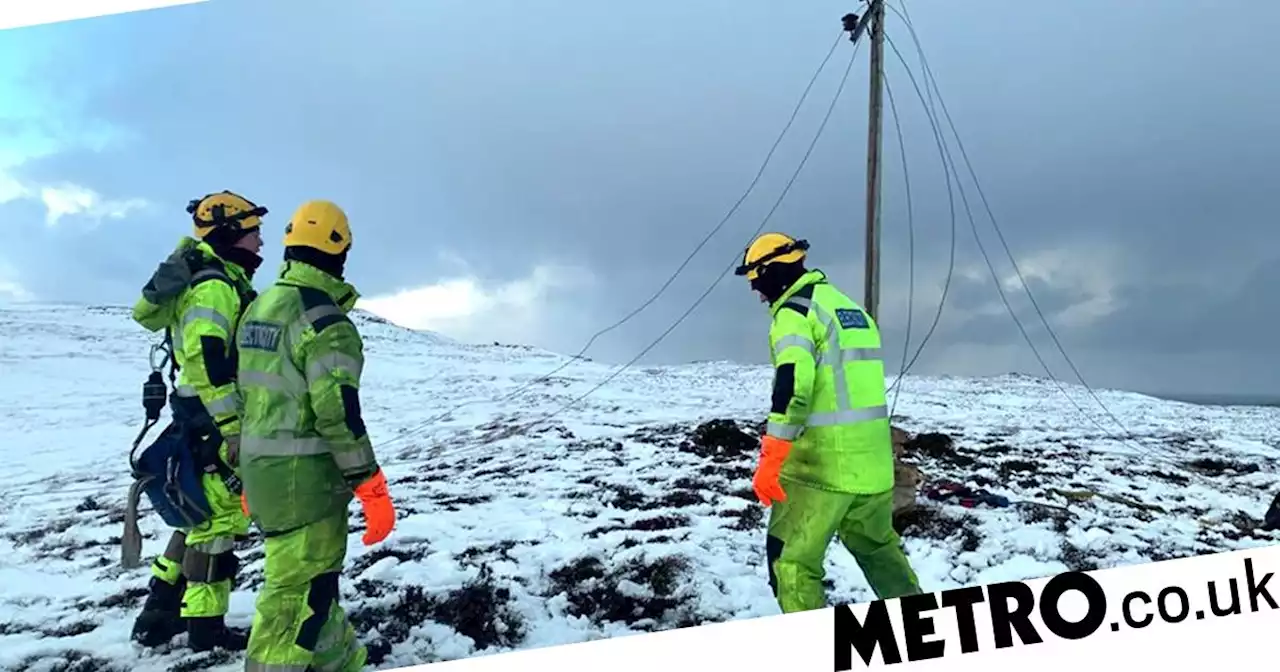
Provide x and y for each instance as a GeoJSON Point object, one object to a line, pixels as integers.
{"type": "Point", "coordinates": [617, 517]}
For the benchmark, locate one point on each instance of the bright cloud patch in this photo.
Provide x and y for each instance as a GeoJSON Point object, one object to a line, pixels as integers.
{"type": "Point", "coordinates": [11, 189]}
{"type": "Point", "coordinates": [470, 309]}
{"type": "Point", "coordinates": [1087, 276]}
{"type": "Point", "coordinates": [10, 288]}
{"type": "Point", "coordinates": [60, 200]}
{"type": "Point", "coordinates": [70, 199]}
{"type": "Point", "coordinates": [66, 200]}
{"type": "Point", "coordinates": [1092, 271]}
{"type": "Point", "coordinates": [37, 124]}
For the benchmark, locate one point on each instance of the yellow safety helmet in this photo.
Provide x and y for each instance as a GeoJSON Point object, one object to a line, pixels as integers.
{"type": "Point", "coordinates": [320, 225]}
{"type": "Point", "coordinates": [770, 248]}
{"type": "Point", "coordinates": [224, 210]}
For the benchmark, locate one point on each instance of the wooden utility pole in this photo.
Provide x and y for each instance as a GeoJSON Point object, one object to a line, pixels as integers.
{"type": "Point", "coordinates": [875, 119]}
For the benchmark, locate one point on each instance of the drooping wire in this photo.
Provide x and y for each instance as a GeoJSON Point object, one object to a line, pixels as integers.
{"type": "Point", "coordinates": [933, 117]}
{"type": "Point", "coordinates": [928, 72]}
{"type": "Point", "coordinates": [943, 156]}
{"type": "Point", "coordinates": [982, 195]}
{"type": "Point", "coordinates": [981, 248]}
{"type": "Point", "coordinates": [905, 15]}
{"type": "Point", "coordinates": [996, 279]}
{"type": "Point", "coordinates": [732, 263]}
{"type": "Point", "coordinates": [911, 243]}
{"type": "Point", "coordinates": [732, 210]}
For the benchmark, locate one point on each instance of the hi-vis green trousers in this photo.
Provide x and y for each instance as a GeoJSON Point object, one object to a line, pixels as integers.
{"type": "Point", "coordinates": [298, 625]}
{"type": "Point", "coordinates": [800, 531]}
{"type": "Point", "coordinates": [205, 564]}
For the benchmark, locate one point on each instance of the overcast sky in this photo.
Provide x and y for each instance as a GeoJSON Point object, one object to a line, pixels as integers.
{"type": "Point", "coordinates": [531, 175]}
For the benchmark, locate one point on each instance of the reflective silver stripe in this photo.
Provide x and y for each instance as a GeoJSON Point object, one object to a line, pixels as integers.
{"type": "Point", "coordinates": [353, 459]}
{"type": "Point", "coordinates": [841, 357]}
{"type": "Point", "coordinates": [289, 382]}
{"type": "Point", "coordinates": [199, 313]}
{"type": "Point", "coordinates": [349, 647]}
{"type": "Point", "coordinates": [257, 446]}
{"type": "Point", "coordinates": [227, 404]}
{"type": "Point", "coordinates": [846, 355]}
{"type": "Point", "coordinates": [223, 406]}
{"type": "Point", "coordinates": [835, 357]}
{"type": "Point", "coordinates": [311, 316]}
{"type": "Point", "coordinates": [800, 301]}
{"type": "Point", "coordinates": [337, 664]}
{"type": "Point", "coordinates": [286, 385]}
{"type": "Point", "coordinates": [325, 364]}
{"type": "Point", "coordinates": [334, 639]}
{"type": "Point", "coordinates": [848, 416]}
{"type": "Point", "coordinates": [833, 346]}
{"type": "Point", "coordinates": [308, 319]}
{"type": "Point", "coordinates": [793, 341]}
{"type": "Point", "coordinates": [783, 431]}
{"type": "Point", "coordinates": [272, 381]}
{"type": "Point", "coordinates": [215, 546]}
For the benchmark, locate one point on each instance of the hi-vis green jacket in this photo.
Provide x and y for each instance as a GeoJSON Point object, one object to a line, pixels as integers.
{"type": "Point", "coordinates": [202, 319]}
{"type": "Point", "coordinates": [303, 446]}
{"type": "Point", "coordinates": [829, 390]}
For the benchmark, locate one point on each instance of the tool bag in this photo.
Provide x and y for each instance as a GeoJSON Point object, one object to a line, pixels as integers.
{"type": "Point", "coordinates": [169, 472]}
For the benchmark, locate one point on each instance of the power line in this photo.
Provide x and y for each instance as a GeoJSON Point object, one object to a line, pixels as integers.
{"type": "Point", "coordinates": [750, 188]}
{"type": "Point", "coordinates": [982, 250]}
{"type": "Point", "coordinates": [982, 195]}
{"type": "Point", "coordinates": [947, 171]}
{"type": "Point", "coordinates": [911, 241]}
{"type": "Point", "coordinates": [1000, 235]}
{"type": "Point", "coordinates": [995, 274]}
{"type": "Point", "coordinates": [732, 263]}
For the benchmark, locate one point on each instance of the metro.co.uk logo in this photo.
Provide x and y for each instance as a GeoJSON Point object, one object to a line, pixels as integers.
{"type": "Point", "coordinates": [1012, 604]}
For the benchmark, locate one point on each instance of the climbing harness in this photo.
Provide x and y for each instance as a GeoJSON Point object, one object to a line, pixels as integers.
{"type": "Point", "coordinates": [170, 471]}
{"type": "Point", "coordinates": [167, 471]}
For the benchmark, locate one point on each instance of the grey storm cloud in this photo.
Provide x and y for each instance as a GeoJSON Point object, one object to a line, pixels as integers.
{"type": "Point", "coordinates": [1127, 152]}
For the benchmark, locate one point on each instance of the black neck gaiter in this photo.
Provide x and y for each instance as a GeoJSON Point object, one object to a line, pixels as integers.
{"type": "Point", "coordinates": [776, 279]}
{"type": "Point", "coordinates": [242, 258]}
{"type": "Point", "coordinates": [329, 263]}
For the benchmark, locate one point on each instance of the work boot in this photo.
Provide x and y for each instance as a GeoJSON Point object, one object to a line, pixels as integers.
{"type": "Point", "coordinates": [161, 617]}
{"type": "Point", "coordinates": [208, 633]}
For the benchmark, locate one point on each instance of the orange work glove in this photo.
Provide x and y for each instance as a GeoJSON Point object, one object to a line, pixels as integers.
{"type": "Point", "coordinates": [379, 514]}
{"type": "Point", "coordinates": [773, 452]}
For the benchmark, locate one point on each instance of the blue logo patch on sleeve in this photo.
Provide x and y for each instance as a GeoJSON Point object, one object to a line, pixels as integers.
{"type": "Point", "coordinates": [852, 318]}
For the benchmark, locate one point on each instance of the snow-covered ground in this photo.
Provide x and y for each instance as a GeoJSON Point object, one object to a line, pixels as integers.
{"type": "Point", "coordinates": [616, 517]}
